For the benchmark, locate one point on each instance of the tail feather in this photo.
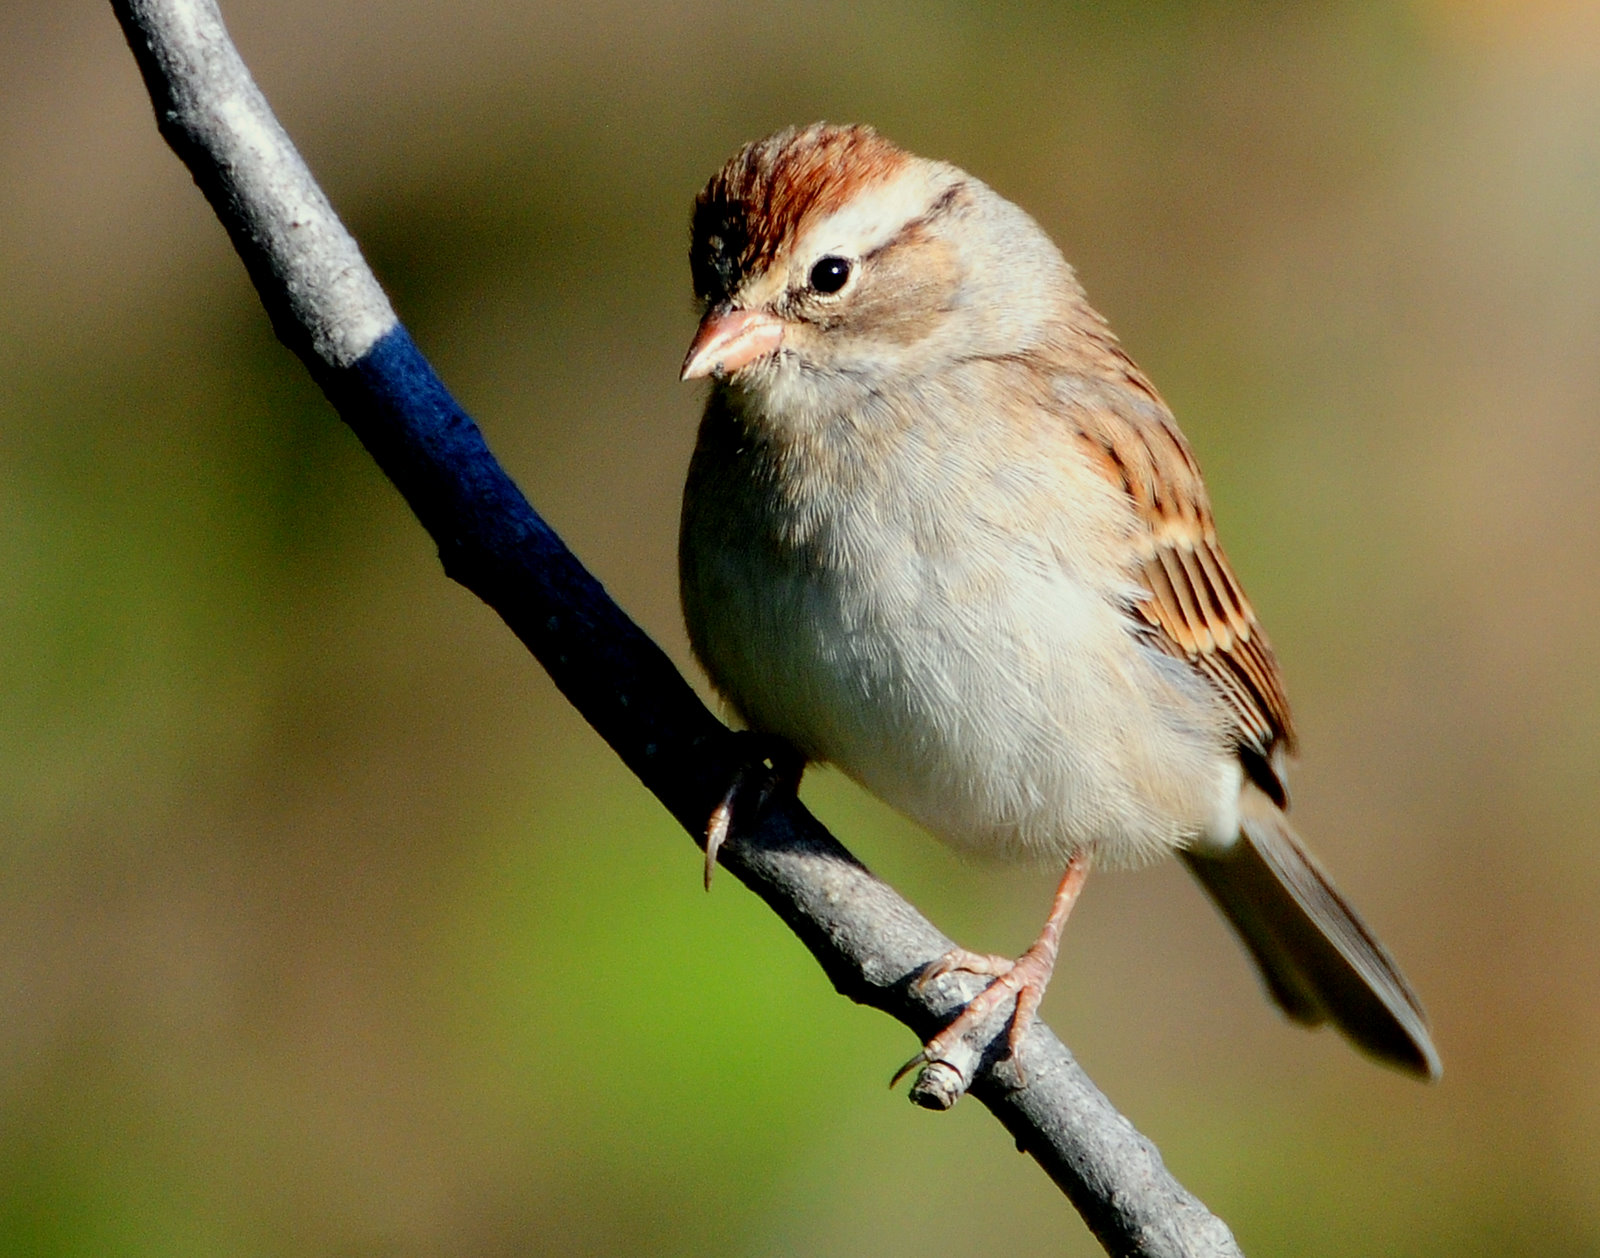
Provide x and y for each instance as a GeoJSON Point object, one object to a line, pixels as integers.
{"type": "Point", "coordinates": [1318, 958]}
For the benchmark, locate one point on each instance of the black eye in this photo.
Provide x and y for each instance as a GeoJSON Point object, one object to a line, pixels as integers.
{"type": "Point", "coordinates": [829, 275]}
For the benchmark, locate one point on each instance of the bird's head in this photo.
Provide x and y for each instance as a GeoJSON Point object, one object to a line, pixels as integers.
{"type": "Point", "coordinates": [830, 261]}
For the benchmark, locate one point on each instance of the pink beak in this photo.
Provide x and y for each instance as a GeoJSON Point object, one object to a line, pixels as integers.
{"type": "Point", "coordinates": [731, 339]}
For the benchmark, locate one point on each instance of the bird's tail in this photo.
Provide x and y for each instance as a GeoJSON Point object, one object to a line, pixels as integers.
{"type": "Point", "coordinates": [1318, 958]}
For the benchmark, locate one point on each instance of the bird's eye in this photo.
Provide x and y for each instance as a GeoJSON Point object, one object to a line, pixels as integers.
{"type": "Point", "coordinates": [830, 274]}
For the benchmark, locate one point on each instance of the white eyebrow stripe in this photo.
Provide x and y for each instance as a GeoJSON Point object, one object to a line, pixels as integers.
{"type": "Point", "coordinates": [871, 219]}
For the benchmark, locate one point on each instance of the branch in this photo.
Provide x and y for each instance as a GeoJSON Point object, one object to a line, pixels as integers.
{"type": "Point", "coordinates": [327, 307]}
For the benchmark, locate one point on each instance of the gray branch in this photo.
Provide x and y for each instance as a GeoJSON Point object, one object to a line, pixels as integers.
{"type": "Point", "coordinates": [328, 308]}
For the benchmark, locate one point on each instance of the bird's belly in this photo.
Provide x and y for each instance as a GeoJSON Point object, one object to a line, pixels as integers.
{"type": "Point", "coordinates": [997, 699]}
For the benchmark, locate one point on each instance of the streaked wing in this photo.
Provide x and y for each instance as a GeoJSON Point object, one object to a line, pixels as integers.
{"type": "Point", "coordinates": [1195, 608]}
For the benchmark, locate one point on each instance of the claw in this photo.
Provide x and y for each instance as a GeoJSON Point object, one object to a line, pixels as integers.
{"type": "Point", "coordinates": [971, 962]}
{"type": "Point", "coordinates": [921, 1059]}
{"type": "Point", "coordinates": [779, 767]}
{"type": "Point", "coordinates": [717, 830]}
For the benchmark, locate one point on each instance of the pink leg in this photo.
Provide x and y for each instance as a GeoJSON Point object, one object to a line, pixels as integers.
{"type": "Point", "coordinates": [1024, 979]}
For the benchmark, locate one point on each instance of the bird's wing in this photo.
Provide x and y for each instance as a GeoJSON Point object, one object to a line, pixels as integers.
{"type": "Point", "coordinates": [1195, 608]}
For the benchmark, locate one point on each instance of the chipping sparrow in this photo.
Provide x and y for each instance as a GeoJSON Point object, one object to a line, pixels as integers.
{"type": "Point", "coordinates": [941, 532]}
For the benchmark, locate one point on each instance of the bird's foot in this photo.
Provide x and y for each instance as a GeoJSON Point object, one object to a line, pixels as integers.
{"type": "Point", "coordinates": [771, 768]}
{"type": "Point", "coordinates": [1023, 980]}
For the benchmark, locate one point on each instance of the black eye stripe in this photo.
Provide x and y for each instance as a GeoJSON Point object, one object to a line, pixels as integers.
{"type": "Point", "coordinates": [830, 274]}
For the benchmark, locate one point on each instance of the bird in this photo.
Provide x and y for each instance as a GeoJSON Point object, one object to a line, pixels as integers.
{"type": "Point", "coordinates": [940, 532]}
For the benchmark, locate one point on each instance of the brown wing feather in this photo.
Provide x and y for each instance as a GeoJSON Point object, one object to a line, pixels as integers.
{"type": "Point", "coordinates": [1195, 605]}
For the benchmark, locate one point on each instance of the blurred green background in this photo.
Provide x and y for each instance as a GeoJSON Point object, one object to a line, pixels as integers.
{"type": "Point", "coordinates": [327, 929]}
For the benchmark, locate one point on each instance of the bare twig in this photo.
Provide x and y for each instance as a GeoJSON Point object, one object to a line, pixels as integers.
{"type": "Point", "coordinates": [327, 307]}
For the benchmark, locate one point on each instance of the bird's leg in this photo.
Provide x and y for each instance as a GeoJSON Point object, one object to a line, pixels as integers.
{"type": "Point", "coordinates": [771, 767]}
{"type": "Point", "coordinates": [1024, 979]}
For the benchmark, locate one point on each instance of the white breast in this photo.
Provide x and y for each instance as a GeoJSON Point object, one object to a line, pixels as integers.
{"type": "Point", "coordinates": [949, 628]}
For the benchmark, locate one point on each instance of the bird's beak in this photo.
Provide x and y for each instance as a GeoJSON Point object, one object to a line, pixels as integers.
{"type": "Point", "coordinates": [731, 339]}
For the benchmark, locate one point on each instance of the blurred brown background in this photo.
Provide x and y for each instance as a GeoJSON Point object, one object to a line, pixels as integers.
{"type": "Point", "coordinates": [327, 929]}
